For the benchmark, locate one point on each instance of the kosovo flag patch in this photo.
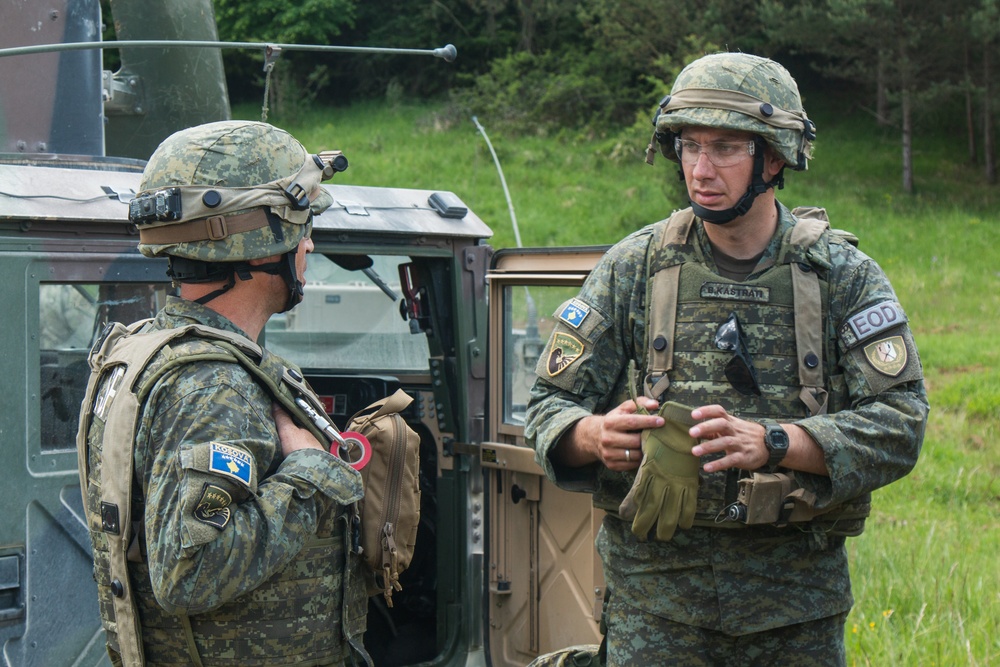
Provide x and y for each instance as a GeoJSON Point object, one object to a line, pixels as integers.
{"type": "Point", "coordinates": [230, 461]}
{"type": "Point", "coordinates": [564, 351]}
{"type": "Point", "coordinates": [574, 313]}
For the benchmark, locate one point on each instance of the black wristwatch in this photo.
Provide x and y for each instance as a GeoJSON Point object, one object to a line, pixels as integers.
{"type": "Point", "coordinates": [776, 441]}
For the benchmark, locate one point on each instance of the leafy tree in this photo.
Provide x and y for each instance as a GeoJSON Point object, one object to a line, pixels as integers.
{"type": "Point", "coordinates": [284, 21]}
{"type": "Point", "coordinates": [296, 76]}
{"type": "Point", "coordinates": [600, 63]}
{"type": "Point", "coordinates": [481, 30]}
{"type": "Point", "coordinates": [902, 50]}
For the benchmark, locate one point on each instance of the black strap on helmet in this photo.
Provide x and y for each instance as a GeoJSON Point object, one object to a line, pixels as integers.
{"type": "Point", "coordinates": [184, 270]}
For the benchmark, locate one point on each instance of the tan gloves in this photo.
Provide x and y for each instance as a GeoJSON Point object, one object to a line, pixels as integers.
{"type": "Point", "coordinates": [666, 486]}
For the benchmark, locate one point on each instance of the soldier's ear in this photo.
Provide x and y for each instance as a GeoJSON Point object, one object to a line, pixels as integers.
{"type": "Point", "coordinates": [773, 163]}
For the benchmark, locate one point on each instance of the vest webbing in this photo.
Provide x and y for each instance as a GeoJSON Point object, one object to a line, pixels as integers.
{"type": "Point", "coordinates": [662, 311]}
{"type": "Point", "coordinates": [662, 299]}
{"type": "Point", "coordinates": [117, 348]}
{"type": "Point", "coordinates": [116, 491]}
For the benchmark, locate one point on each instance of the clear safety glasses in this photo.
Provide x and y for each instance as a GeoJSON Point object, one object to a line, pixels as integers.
{"type": "Point", "coordinates": [720, 153]}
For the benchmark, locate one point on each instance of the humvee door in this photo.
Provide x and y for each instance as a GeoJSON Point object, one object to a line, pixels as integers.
{"type": "Point", "coordinates": [544, 578]}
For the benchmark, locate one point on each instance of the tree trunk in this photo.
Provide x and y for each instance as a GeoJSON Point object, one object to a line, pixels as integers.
{"type": "Point", "coordinates": [989, 148]}
{"type": "Point", "coordinates": [528, 25]}
{"type": "Point", "coordinates": [907, 143]}
{"type": "Point", "coordinates": [970, 113]}
{"type": "Point", "coordinates": [881, 99]}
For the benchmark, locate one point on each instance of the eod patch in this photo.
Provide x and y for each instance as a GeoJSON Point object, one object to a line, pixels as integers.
{"type": "Point", "coordinates": [564, 351]}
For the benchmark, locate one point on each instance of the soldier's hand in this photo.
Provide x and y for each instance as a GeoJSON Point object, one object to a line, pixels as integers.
{"type": "Point", "coordinates": [665, 490]}
{"type": "Point", "coordinates": [291, 436]}
{"type": "Point", "coordinates": [611, 439]}
{"type": "Point", "coordinates": [740, 440]}
{"type": "Point", "coordinates": [619, 444]}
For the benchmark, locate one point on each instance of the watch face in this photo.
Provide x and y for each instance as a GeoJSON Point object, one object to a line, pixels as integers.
{"type": "Point", "coordinates": [776, 441]}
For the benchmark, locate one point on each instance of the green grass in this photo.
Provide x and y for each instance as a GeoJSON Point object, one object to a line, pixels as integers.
{"type": "Point", "coordinates": [926, 579]}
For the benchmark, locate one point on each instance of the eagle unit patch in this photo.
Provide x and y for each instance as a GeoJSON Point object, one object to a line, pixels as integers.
{"type": "Point", "coordinates": [213, 508]}
{"type": "Point", "coordinates": [574, 313]}
{"type": "Point", "coordinates": [230, 461]}
{"type": "Point", "coordinates": [887, 356]}
{"type": "Point", "coordinates": [564, 351]}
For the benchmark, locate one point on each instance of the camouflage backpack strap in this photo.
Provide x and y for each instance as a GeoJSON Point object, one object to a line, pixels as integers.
{"type": "Point", "coordinates": [663, 269]}
{"type": "Point", "coordinates": [808, 300]}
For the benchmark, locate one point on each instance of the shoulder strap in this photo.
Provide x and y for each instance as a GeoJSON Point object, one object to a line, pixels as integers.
{"type": "Point", "coordinates": [661, 301]}
{"type": "Point", "coordinates": [285, 384]}
{"type": "Point", "coordinates": [808, 308]}
{"type": "Point", "coordinates": [116, 361]}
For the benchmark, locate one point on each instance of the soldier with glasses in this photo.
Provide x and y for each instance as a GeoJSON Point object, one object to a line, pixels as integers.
{"type": "Point", "coordinates": [732, 385]}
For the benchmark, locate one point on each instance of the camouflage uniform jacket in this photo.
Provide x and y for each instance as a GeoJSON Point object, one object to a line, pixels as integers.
{"type": "Point", "coordinates": [205, 554]}
{"type": "Point", "coordinates": [751, 579]}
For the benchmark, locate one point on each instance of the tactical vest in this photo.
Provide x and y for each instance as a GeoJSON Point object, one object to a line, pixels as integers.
{"type": "Point", "coordinates": [686, 304]}
{"type": "Point", "coordinates": [310, 613]}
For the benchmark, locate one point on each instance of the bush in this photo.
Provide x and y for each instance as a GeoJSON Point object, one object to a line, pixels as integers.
{"type": "Point", "coordinates": [527, 93]}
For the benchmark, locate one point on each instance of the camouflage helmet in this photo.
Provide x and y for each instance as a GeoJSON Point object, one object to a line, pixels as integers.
{"type": "Point", "coordinates": [738, 91]}
{"type": "Point", "coordinates": [230, 191]}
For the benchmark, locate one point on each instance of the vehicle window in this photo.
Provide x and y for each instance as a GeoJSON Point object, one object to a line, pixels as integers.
{"type": "Point", "coordinates": [71, 316]}
{"type": "Point", "coordinates": [528, 323]}
{"type": "Point", "coordinates": [346, 321]}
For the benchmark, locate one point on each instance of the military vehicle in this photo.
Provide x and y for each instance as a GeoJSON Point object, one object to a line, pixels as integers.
{"type": "Point", "coordinates": [404, 292]}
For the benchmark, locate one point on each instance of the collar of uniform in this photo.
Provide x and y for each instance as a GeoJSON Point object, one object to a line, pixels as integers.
{"type": "Point", "coordinates": [785, 222]}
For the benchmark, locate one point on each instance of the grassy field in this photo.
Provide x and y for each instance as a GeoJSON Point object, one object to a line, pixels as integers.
{"type": "Point", "coordinates": [926, 575]}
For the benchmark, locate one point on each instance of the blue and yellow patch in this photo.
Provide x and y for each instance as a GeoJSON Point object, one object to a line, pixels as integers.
{"type": "Point", "coordinates": [574, 313]}
{"type": "Point", "coordinates": [230, 461]}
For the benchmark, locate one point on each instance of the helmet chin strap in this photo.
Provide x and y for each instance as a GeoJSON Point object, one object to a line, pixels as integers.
{"type": "Point", "coordinates": [291, 276]}
{"type": "Point", "coordinates": [757, 186]}
{"type": "Point", "coordinates": [284, 267]}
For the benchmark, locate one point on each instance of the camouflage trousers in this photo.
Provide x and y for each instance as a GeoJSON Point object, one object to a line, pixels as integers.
{"type": "Point", "coordinates": [637, 638]}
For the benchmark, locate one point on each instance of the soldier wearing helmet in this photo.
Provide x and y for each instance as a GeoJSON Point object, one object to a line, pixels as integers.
{"type": "Point", "coordinates": [219, 525]}
{"type": "Point", "coordinates": [732, 384]}
{"type": "Point", "coordinates": [246, 195]}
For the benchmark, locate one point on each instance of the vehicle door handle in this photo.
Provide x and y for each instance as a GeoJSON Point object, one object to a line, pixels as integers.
{"type": "Point", "coordinates": [517, 494]}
